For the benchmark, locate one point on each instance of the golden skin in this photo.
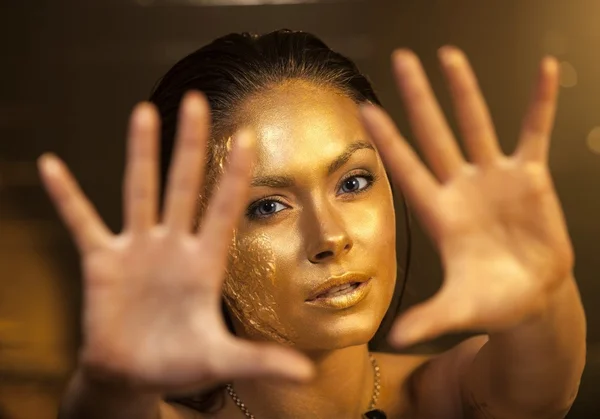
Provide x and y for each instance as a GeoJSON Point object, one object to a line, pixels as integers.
{"type": "Point", "coordinates": [316, 229]}
{"type": "Point", "coordinates": [249, 286]}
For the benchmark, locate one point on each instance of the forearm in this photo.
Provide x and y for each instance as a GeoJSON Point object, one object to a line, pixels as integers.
{"type": "Point", "coordinates": [86, 399]}
{"type": "Point", "coordinates": [533, 370]}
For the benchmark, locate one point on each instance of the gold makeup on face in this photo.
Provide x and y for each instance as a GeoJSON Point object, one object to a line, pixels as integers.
{"type": "Point", "coordinates": [248, 288]}
{"type": "Point", "coordinates": [341, 292]}
{"type": "Point", "coordinates": [308, 144]}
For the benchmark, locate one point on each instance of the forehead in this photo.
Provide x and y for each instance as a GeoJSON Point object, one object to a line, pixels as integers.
{"type": "Point", "coordinates": [301, 125]}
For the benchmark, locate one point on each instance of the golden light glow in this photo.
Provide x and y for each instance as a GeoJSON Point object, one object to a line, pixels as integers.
{"type": "Point", "coordinates": [568, 74]}
{"type": "Point", "coordinates": [593, 140]}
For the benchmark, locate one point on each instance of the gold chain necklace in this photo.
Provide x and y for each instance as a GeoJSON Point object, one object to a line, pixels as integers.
{"type": "Point", "coordinates": [374, 397]}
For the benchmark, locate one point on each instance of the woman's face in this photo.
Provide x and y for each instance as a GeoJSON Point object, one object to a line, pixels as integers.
{"type": "Point", "coordinates": [320, 215]}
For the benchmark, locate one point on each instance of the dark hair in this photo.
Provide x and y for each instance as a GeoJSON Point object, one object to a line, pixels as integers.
{"type": "Point", "coordinates": [228, 71]}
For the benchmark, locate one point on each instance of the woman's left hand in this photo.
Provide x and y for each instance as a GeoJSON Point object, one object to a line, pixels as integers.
{"type": "Point", "coordinates": [496, 219]}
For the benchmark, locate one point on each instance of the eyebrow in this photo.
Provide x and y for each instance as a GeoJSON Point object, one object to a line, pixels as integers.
{"type": "Point", "coordinates": [276, 182]}
{"type": "Point", "coordinates": [282, 182]}
{"type": "Point", "coordinates": [343, 158]}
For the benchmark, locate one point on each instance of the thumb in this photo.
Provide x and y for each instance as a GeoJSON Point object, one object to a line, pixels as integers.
{"type": "Point", "coordinates": [441, 314]}
{"type": "Point", "coordinates": [249, 359]}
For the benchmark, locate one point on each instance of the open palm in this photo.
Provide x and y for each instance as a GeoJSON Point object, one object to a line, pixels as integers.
{"type": "Point", "coordinates": [495, 219]}
{"type": "Point", "coordinates": [152, 294]}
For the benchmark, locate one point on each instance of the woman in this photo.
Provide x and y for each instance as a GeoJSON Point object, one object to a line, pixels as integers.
{"type": "Point", "coordinates": [310, 270]}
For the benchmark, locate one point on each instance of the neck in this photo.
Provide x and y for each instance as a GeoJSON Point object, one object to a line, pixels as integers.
{"type": "Point", "coordinates": [342, 388]}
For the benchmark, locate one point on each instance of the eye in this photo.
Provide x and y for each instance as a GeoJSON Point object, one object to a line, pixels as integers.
{"type": "Point", "coordinates": [354, 184]}
{"type": "Point", "coordinates": [265, 208]}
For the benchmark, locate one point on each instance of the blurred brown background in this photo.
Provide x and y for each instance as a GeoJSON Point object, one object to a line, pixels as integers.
{"type": "Point", "coordinates": [71, 70]}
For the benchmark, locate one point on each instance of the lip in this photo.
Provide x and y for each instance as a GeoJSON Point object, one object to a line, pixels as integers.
{"type": "Point", "coordinates": [346, 299]}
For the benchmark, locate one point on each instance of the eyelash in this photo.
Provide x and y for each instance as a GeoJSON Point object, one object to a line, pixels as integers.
{"type": "Point", "coordinates": [370, 177]}
{"type": "Point", "coordinates": [251, 211]}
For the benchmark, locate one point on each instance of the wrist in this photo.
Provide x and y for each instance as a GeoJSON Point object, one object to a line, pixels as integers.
{"type": "Point", "coordinates": [565, 292]}
{"type": "Point", "coordinates": [543, 310]}
{"type": "Point", "coordinates": [113, 386]}
{"type": "Point", "coordinates": [92, 398]}
{"type": "Point", "coordinates": [111, 373]}
{"type": "Point", "coordinates": [560, 312]}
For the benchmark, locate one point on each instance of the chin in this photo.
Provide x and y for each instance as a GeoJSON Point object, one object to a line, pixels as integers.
{"type": "Point", "coordinates": [320, 329]}
{"type": "Point", "coordinates": [340, 330]}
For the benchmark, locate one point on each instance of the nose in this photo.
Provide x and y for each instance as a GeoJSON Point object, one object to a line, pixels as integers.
{"type": "Point", "coordinates": [328, 239]}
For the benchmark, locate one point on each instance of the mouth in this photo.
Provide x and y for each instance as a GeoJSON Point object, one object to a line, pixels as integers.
{"type": "Point", "coordinates": [341, 292]}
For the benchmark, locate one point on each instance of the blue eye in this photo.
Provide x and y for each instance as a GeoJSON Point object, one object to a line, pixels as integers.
{"type": "Point", "coordinates": [265, 208]}
{"type": "Point", "coordinates": [355, 184]}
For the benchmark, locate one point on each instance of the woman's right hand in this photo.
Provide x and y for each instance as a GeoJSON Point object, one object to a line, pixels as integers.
{"type": "Point", "coordinates": [152, 294]}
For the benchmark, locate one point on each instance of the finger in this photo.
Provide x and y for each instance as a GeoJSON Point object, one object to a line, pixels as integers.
{"type": "Point", "coordinates": [227, 205]}
{"type": "Point", "coordinates": [141, 173]}
{"type": "Point", "coordinates": [442, 314]}
{"type": "Point", "coordinates": [249, 360]}
{"type": "Point", "coordinates": [185, 174]}
{"type": "Point", "coordinates": [426, 118]}
{"type": "Point", "coordinates": [471, 110]}
{"type": "Point", "coordinates": [407, 170]}
{"type": "Point", "coordinates": [75, 209]}
{"type": "Point", "coordinates": [538, 123]}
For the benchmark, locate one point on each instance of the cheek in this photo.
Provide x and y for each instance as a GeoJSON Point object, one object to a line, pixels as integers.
{"type": "Point", "coordinates": [288, 254]}
{"type": "Point", "coordinates": [374, 225]}
{"type": "Point", "coordinates": [374, 233]}
{"type": "Point", "coordinates": [249, 287]}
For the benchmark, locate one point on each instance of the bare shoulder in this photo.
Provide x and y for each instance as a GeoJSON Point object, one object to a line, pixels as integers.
{"type": "Point", "coordinates": [435, 383]}
{"type": "Point", "coordinates": [412, 386]}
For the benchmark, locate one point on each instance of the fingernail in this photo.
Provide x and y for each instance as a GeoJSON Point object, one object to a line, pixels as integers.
{"type": "Point", "coordinates": [367, 107]}
{"type": "Point", "coordinates": [192, 94]}
{"type": "Point", "coordinates": [306, 371]}
{"type": "Point", "coordinates": [397, 340]}
{"type": "Point", "coordinates": [550, 64]}
{"type": "Point", "coordinates": [450, 56]}
{"type": "Point", "coordinates": [192, 102]}
{"type": "Point", "coordinates": [189, 102]}
{"type": "Point", "coordinates": [49, 163]}
{"type": "Point", "coordinates": [403, 337]}
{"type": "Point", "coordinates": [402, 58]}
{"type": "Point", "coordinates": [142, 114]}
{"type": "Point", "coordinates": [245, 138]}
